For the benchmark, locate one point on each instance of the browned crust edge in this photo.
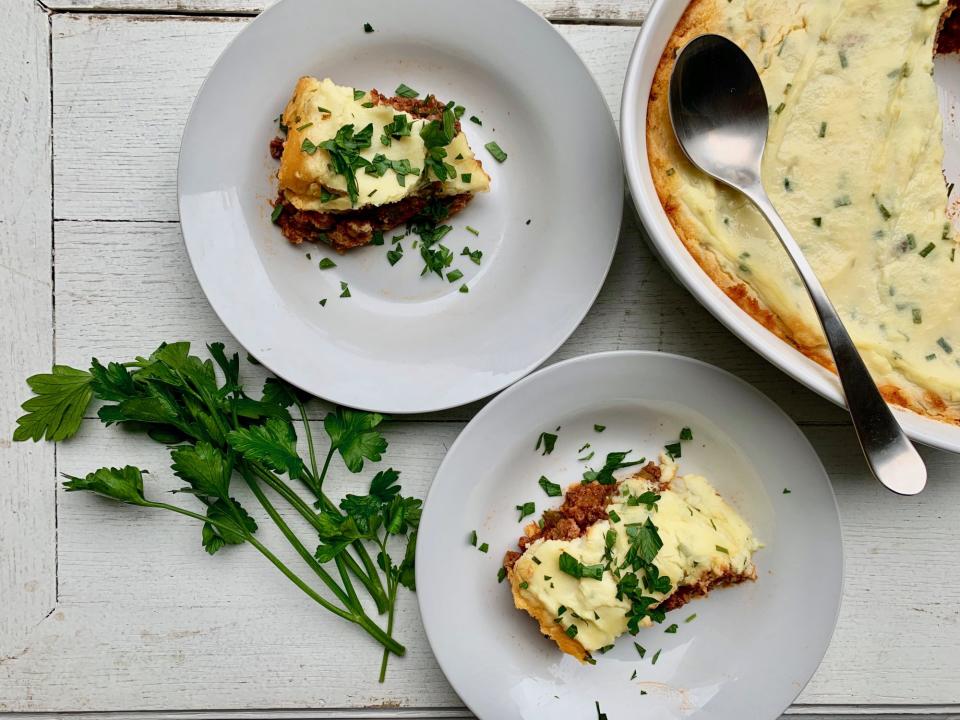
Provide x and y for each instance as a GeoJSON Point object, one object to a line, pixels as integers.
{"type": "Point", "coordinates": [663, 153]}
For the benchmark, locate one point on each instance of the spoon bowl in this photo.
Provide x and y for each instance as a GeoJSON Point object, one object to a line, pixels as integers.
{"type": "Point", "coordinates": [720, 116]}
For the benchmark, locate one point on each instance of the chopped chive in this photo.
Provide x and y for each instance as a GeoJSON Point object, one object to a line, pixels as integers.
{"type": "Point", "coordinates": [842, 201]}
{"type": "Point", "coordinates": [322, 109]}
{"type": "Point", "coordinates": [472, 230]}
{"type": "Point", "coordinates": [501, 574]}
{"type": "Point", "coordinates": [472, 538]}
{"type": "Point", "coordinates": [641, 650]}
{"type": "Point", "coordinates": [691, 618]}
{"type": "Point", "coordinates": [843, 59]}
{"type": "Point", "coordinates": [475, 119]}
{"type": "Point", "coordinates": [917, 316]}
{"type": "Point", "coordinates": [304, 126]}
{"type": "Point", "coordinates": [721, 548]}
{"type": "Point", "coordinates": [823, 130]}
{"type": "Point", "coordinates": [494, 149]}
{"type": "Point", "coordinates": [277, 211]}
{"type": "Point", "coordinates": [571, 631]}
{"type": "Point", "coordinates": [947, 348]}
{"type": "Point", "coordinates": [780, 108]}
{"type": "Point", "coordinates": [928, 249]}
{"type": "Point", "coordinates": [656, 656]}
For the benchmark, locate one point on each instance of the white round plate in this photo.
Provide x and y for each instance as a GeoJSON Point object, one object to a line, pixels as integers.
{"type": "Point", "coordinates": [751, 648]}
{"type": "Point", "coordinates": [404, 343]}
{"type": "Point", "coordinates": [656, 30]}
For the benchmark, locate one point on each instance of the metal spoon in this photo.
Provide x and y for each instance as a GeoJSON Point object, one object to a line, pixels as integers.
{"type": "Point", "coordinates": [720, 116]}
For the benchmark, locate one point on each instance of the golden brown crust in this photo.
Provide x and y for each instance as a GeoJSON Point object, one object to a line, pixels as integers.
{"type": "Point", "coordinates": [548, 625]}
{"type": "Point", "coordinates": [663, 153]}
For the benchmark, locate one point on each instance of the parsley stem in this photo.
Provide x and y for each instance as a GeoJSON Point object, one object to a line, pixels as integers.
{"type": "Point", "coordinates": [392, 585]}
{"type": "Point", "coordinates": [347, 598]}
{"type": "Point", "coordinates": [371, 583]}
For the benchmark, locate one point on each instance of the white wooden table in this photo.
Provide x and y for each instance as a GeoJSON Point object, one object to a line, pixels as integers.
{"type": "Point", "coordinates": [114, 609]}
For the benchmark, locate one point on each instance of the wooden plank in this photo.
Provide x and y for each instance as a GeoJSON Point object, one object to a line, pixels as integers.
{"type": "Point", "coordinates": [27, 511]}
{"type": "Point", "coordinates": [146, 619]}
{"type": "Point", "coordinates": [619, 11]}
{"type": "Point", "coordinates": [147, 94]}
{"type": "Point", "coordinates": [125, 287]}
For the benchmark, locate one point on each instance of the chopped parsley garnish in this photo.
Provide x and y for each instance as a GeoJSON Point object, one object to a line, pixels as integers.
{"type": "Point", "coordinates": [474, 255]}
{"type": "Point", "coordinates": [615, 461]}
{"type": "Point", "coordinates": [842, 201]}
{"type": "Point", "coordinates": [588, 457]}
{"type": "Point", "coordinates": [656, 656]}
{"type": "Point", "coordinates": [691, 618]}
{"type": "Point", "coordinates": [475, 119]}
{"type": "Point", "coordinates": [641, 650]}
{"type": "Point", "coordinates": [464, 288]}
{"type": "Point", "coordinates": [323, 303]}
{"type": "Point", "coordinates": [612, 514]}
{"type": "Point", "coordinates": [818, 221]}
{"type": "Point", "coordinates": [357, 94]}
{"type": "Point", "coordinates": [823, 130]}
{"type": "Point", "coordinates": [472, 539]}
{"type": "Point", "coordinates": [501, 574]}
{"type": "Point", "coordinates": [571, 631]}
{"type": "Point", "coordinates": [435, 259]}
{"type": "Point", "coordinates": [344, 150]}
{"type": "Point", "coordinates": [528, 508]}
{"type": "Point", "coordinates": [686, 434]}
{"type": "Point", "coordinates": [395, 255]}
{"type": "Point", "coordinates": [466, 177]}
{"type": "Point", "coordinates": [304, 126]}
{"type": "Point", "coordinates": [308, 147]}
{"type": "Point", "coordinates": [552, 489]}
{"type": "Point", "coordinates": [367, 28]}
{"type": "Point", "coordinates": [673, 450]}
{"type": "Point", "coordinates": [548, 441]}
{"type": "Point", "coordinates": [780, 108]}
{"type": "Point", "coordinates": [721, 548]}
{"type": "Point", "coordinates": [524, 585]}
{"type": "Point", "coordinates": [599, 428]}
{"type": "Point", "coordinates": [672, 629]}
{"type": "Point", "coordinates": [377, 237]}
{"type": "Point", "coordinates": [573, 567]}
{"type": "Point", "coordinates": [484, 547]}
{"type": "Point", "coordinates": [843, 59]}
{"type": "Point", "coordinates": [277, 211]}
{"type": "Point", "coordinates": [436, 135]}
{"type": "Point", "coordinates": [322, 109]}
{"type": "Point", "coordinates": [327, 263]}
{"type": "Point", "coordinates": [917, 316]}
{"type": "Point", "coordinates": [648, 498]}
{"type": "Point", "coordinates": [494, 149]}
{"type": "Point", "coordinates": [786, 491]}
{"type": "Point", "coordinates": [399, 127]}
{"type": "Point", "coordinates": [454, 275]}
{"type": "Point", "coordinates": [537, 561]}
{"type": "Point", "coordinates": [345, 290]}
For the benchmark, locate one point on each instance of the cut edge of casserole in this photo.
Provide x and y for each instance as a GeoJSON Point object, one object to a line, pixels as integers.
{"type": "Point", "coordinates": [584, 510]}
{"type": "Point", "coordinates": [663, 153]}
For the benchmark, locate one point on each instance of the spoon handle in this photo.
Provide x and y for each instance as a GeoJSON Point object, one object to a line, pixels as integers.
{"type": "Point", "coordinates": [891, 456]}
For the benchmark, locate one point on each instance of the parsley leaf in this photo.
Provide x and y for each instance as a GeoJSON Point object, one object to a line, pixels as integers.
{"type": "Point", "coordinates": [344, 150]}
{"type": "Point", "coordinates": [274, 444]}
{"type": "Point", "coordinates": [56, 410]}
{"type": "Point", "coordinates": [548, 441]}
{"type": "Point", "coordinates": [356, 436]}
{"type": "Point", "coordinates": [124, 484]}
{"type": "Point", "coordinates": [615, 461]}
{"type": "Point", "coordinates": [528, 508]}
{"type": "Point", "coordinates": [406, 92]}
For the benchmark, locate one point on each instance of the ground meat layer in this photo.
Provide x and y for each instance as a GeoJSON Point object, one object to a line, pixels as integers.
{"type": "Point", "coordinates": [355, 228]}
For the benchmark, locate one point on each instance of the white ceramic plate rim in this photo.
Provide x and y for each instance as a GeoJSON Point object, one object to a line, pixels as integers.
{"type": "Point", "coordinates": [480, 385]}
{"type": "Point", "coordinates": [633, 113]}
{"type": "Point", "coordinates": [460, 684]}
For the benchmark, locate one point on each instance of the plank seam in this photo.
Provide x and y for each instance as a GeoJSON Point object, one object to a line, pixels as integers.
{"type": "Point", "coordinates": [53, 308]}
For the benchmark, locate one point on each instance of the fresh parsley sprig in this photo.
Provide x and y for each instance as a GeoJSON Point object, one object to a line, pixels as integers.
{"type": "Point", "coordinates": [217, 432]}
